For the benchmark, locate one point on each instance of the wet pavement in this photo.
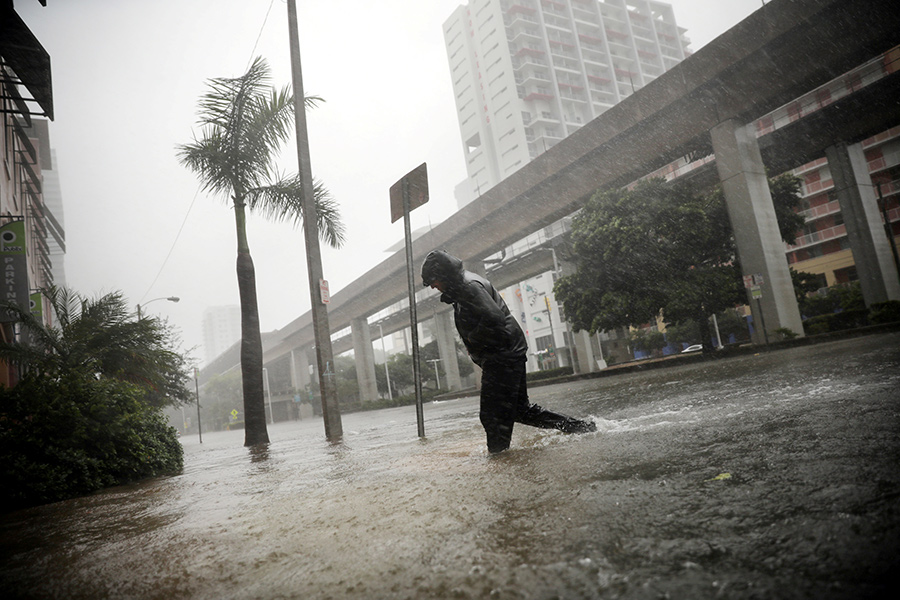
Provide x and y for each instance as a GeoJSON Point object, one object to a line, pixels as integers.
{"type": "Point", "coordinates": [774, 475]}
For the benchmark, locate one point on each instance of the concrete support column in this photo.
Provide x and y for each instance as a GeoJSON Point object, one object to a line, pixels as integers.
{"type": "Point", "coordinates": [446, 341]}
{"type": "Point", "coordinates": [299, 369]}
{"type": "Point", "coordinates": [865, 229]}
{"type": "Point", "coordinates": [752, 215]}
{"type": "Point", "coordinates": [584, 352]}
{"type": "Point", "coordinates": [364, 357]}
{"type": "Point", "coordinates": [585, 362]}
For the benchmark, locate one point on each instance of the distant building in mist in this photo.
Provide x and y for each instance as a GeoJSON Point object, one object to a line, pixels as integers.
{"type": "Point", "coordinates": [221, 329]}
{"type": "Point", "coordinates": [528, 73]}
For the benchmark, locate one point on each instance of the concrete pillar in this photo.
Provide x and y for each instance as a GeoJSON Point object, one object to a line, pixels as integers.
{"type": "Point", "coordinates": [446, 341]}
{"type": "Point", "coordinates": [583, 352]}
{"type": "Point", "coordinates": [865, 229]}
{"type": "Point", "coordinates": [752, 215]}
{"type": "Point", "coordinates": [364, 357]}
{"type": "Point", "coordinates": [299, 368]}
{"type": "Point", "coordinates": [585, 362]}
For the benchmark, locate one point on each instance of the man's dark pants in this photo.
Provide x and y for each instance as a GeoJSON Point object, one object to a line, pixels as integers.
{"type": "Point", "coordinates": [504, 401]}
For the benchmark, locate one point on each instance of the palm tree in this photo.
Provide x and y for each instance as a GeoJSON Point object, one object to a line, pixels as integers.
{"type": "Point", "coordinates": [245, 122]}
{"type": "Point", "coordinates": [99, 338]}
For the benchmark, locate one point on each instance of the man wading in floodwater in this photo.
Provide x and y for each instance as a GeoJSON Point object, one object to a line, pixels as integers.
{"type": "Point", "coordinates": [497, 345]}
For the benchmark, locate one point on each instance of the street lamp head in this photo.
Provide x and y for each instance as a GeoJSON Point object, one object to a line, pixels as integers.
{"type": "Point", "coordinates": [173, 299]}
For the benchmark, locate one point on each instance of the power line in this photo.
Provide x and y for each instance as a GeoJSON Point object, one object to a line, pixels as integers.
{"type": "Point", "coordinates": [184, 222]}
{"type": "Point", "coordinates": [174, 242]}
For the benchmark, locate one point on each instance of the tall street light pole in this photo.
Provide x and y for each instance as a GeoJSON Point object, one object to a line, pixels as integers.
{"type": "Point", "coordinates": [324, 353]}
{"type": "Point", "coordinates": [169, 298]}
{"type": "Point", "coordinates": [387, 373]}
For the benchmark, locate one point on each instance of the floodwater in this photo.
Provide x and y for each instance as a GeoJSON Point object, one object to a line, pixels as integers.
{"type": "Point", "coordinates": [774, 475]}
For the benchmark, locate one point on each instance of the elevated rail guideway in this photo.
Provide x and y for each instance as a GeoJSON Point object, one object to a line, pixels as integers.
{"type": "Point", "coordinates": [782, 51]}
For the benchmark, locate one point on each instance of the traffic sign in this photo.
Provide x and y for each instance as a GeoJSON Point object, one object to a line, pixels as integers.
{"type": "Point", "coordinates": [417, 188]}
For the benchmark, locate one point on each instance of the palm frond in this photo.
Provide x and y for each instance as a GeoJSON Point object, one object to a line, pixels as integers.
{"type": "Point", "coordinates": [281, 201]}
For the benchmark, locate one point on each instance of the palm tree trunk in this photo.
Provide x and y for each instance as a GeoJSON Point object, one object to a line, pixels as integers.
{"type": "Point", "coordinates": [255, 431]}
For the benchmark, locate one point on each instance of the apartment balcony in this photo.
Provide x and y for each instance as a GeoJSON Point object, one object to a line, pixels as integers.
{"type": "Point", "coordinates": [823, 210]}
{"type": "Point", "coordinates": [532, 77]}
{"type": "Point", "coordinates": [538, 96]}
{"type": "Point", "coordinates": [565, 46]}
{"type": "Point", "coordinates": [584, 15]}
{"type": "Point", "coordinates": [616, 36]}
{"type": "Point", "coordinates": [544, 118]}
{"type": "Point", "coordinates": [570, 85]}
{"type": "Point", "coordinates": [569, 64]}
{"type": "Point", "coordinates": [532, 62]}
{"type": "Point", "coordinates": [554, 8]}
{"type": "Point", "coordinates": [529, 53]}
{"type": "Point", "coordinates": [521, 9]}
{"type": "Point", "coordinates": [818, 237]}
{"type": "Point", "coordinates": [522, 35]}
{"type": "Point", "coordinates": [520, 21]}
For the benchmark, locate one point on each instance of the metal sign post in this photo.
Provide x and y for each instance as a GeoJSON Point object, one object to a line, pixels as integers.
{"type": "Point", "coordinates": [409, 193]}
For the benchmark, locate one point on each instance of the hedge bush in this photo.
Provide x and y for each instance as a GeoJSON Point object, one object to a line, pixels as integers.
{"type": "Point", "coordinates": [66, 437]}
{"type": "Point", "coordinates": [549, 373]}
{"type": "Point", "coordinates": [847, 319]}
{"type": "Point", "coordinates": [885, 312]}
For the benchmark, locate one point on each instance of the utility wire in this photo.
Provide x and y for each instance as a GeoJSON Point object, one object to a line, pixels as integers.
{"type": "Point", "coordinates": [188, 213]}
{"type": "Point", "coordinates": [258, 37]}
{"type": "Point", "coordinates": [174, 242]}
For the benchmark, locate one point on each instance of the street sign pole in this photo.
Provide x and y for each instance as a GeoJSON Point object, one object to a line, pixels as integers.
{"type": "Point", "coordinates": [409, 193]}
{"type": "Point", "coordinates": [413, 318]}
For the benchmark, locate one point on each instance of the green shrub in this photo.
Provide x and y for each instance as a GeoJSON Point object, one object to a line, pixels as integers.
{"type": "Point", "coordinates": [885, 312]}
{"type": "Point", "coordinates": [549, 374]}
{"type": "Point", "coordinates": [65, 437]}
{"type": "Point", "coordinates": [785, 333]}
{"type": "Point", "coordinates": [847, 319]}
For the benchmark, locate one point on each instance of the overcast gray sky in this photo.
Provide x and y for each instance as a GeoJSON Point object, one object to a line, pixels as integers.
{"type": "Point", "coordinates": [127, 75]}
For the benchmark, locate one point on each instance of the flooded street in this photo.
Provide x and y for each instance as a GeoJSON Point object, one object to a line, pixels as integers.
{"type": "Point", "coordinates": [774, 475]}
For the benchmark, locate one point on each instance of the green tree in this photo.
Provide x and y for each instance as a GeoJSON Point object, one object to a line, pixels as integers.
{"type": "Point", "coordinates": [686, 332]}
{"type": "Point", "coordinates": [101, 338]}
{"type": "Point", "coordinates": [245, 122]}
{"type": "Point", "coordinates": [87, 411]}
{"type": "Point", "coordinates": [401, 367]}
{"type": "Point", "coordinates": [655, 248]}
{"type": "Point", "coordinates": [346, 382]}
{"type": "Point", "coordinates": [218, 397]}
{"type": "Point", "coordinates": [648, 340]}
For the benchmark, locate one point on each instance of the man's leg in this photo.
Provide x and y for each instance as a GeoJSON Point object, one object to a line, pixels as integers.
{"type": "Point", "coordinates": [499, 388]}
{"type": "Point", "coordinates": [536, 416]}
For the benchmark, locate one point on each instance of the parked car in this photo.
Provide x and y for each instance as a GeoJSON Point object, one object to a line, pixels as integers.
{"type": "Point", "coordinates": [694, 348]}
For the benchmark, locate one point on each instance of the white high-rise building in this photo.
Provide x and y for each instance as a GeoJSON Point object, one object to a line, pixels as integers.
{"type": "Point", "coordinates": [527, 73]}
{"type": "Point", "coordinates": [221, 329]}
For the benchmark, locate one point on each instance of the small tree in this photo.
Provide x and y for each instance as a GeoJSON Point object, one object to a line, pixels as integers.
{"type": "Point", "coordinates": [659, 248]}
{"type": "Point", "coordinates": [245, 123]}
{"type": "Point", "coordinates": [101, 338]}
{"type": "Point", "coordinates": [86, 413]}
